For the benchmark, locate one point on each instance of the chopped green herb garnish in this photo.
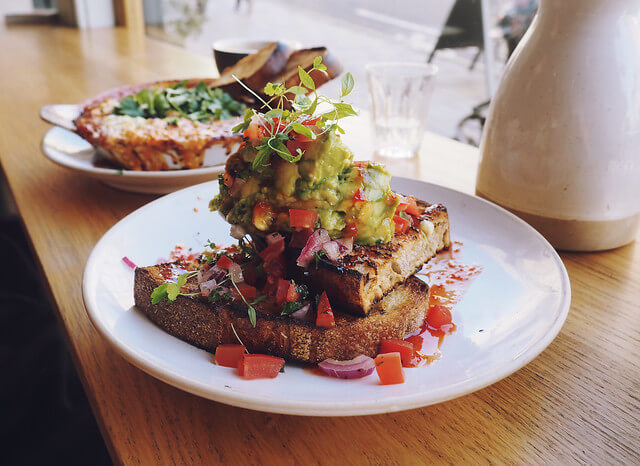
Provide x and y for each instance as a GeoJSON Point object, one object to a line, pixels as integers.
{"type": "Point", "coordinates": [198, 103]}
{"type": "Point", "coordinates": [289, 308]}
{"type": "Point", "coordinates": [285, 114]}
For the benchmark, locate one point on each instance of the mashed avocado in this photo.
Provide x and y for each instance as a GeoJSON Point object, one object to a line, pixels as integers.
{"type": "Point", "coordinates": [325, 180]}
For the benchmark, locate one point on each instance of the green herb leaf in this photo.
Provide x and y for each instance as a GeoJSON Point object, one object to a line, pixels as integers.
{"type": "Point", "coordinates": [305, 79]}
{"type": "Point", "coordinates": [298, 90]}
{"type": "Point", "coordinates": [159, 293]}
{"type": "Point", "coordinates": [347, 84]}
{"type": "Point", "coordinates": [182, 279]}
{"type": "Point", "coordinates": [173, 290]}
{"type": "Point", "coordinates": [342, 110]}
{"type": "Point", "coordinates": [278, 146]}
{"type": "Point", "coordinates": [261, 157]}
{"type": "Point", "coordinates": [290, 308]}
{"type": "Point", "coordinates": [304, 130]}
{"type": "Point", "coordinates": [252, 315]}
{"type": "Point", "coordinates": [130, 107]}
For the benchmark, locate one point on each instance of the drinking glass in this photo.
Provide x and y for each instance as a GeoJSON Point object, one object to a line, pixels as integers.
{"type": "Point", "coordinates": [400, 94]}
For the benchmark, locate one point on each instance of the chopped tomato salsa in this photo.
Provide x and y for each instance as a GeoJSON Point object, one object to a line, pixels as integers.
{"type": "Point", "coordinates": [229, 355]}
{"type": "Point", "coordinates": [325, 313]}
{"type": "Point", "coordinates": [259, 366]}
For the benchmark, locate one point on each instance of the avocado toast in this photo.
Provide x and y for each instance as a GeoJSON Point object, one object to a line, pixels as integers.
{"type": "Point", "coordinates": [327, 251]}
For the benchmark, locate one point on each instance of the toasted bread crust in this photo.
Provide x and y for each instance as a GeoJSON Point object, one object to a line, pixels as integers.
{"type": "Point", "coordinates": [206, 325]}
{"type": "Point", "coordinates": [363, 277]}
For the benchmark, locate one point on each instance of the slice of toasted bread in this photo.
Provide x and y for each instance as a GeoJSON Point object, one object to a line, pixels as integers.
{"type": "Point", "coordinates": [207, 325]}
{"type": "Point", "coordinates": [255, 70]}
{"type": "Point", "coordinates": [362, 277]}
{"type": "Point", "coordinates": [304, 58]}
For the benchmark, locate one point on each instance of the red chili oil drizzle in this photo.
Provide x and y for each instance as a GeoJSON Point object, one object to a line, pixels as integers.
{"type": "Point", "coordinates": [449, 279]}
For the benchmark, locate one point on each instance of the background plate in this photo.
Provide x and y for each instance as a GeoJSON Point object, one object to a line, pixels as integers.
{"type": "Point", "coordinates": [510, 313]}
{"type": "Point", "coordinates": [69, 150]}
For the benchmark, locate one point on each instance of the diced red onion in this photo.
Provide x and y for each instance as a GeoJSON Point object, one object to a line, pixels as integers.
{"type": "Point", "coordinates": [238, 232]}
{"type": "Point", "coordinates": [346, 245]}
{"type": "Point", "coordinates": [304, 313]}
{"type": "Point", "coordinates": [273, 237]}
{"type": "Point", "coordinates": [314, 244]}
{"type": "Point", "coordinates": [205, 275]}
{"type": "Point", "coordinates": [332, 249]}
{"type": "Point", "coordinates": [129, 263]}
{"type": "Point", "coordinates": [207, 287]}
{"type": "Point", "coordinates": [218, 273]}
{"type": "Point", "coordinates": [358, 367]}
{"type": "Point", "coordinates": [236, 272]}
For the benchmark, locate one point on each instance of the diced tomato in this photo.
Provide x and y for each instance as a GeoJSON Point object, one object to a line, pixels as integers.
{"type": "Point", "coordinates": [292, 293]}
{"type": "Point", "coordinates": [249, 292]}
{"type": "Point", "coordinates": [389, 368]}
{"type": "Point", "coordinates": [255, 131]}
{"type": "Point", "coordinates": [351, 231]}
{"type": "Point", "coordinates": [359, 196]}
{"type": "Point", "coordinates": [438, 316]}
{"type": "Point", "coordinates": [272, 251]}
{"type": "Point", "coordinates": [416, 341]}
{"type": "Point", "coordinates": [250, 273]}
{"type": "Point", "coordinates": [263, 215]}
{"type": "Point", "coordinates": [408, 205]}
{"type": "Point", "coordinates": [282, 291]}
{"type": "Point", "coordinates": [325, 313]}
{"type": "Point", "coordinates": [402, 224]}
{"type": "Point", "coordinates": [224, 262]}
{"type": "Point", "coordinates": [405, 348]}
{"type": "Point", "coordinates": [229, 355]}
{"type": "Point", "coordinates": [294, 145]}
{"type": "Point", "coordinates": [300, 237]}
{"type": "Point", "coordinates": [276, 266]}
{"type": "Point", "coordinates": [301, 218]}
{"type": "Point", "coordinates": [271, 285]}
{"type": "Point", "coordinates": [311, 121]}
{"type": "Point", "coordinates": [259, 366]}
{"type": "Point", "coordinates": [227, 179]}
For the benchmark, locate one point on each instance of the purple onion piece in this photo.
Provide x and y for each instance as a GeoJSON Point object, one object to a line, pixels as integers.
{"type": "Point", "coordinates": [304, 313]}
{"type": "Point", "coordinates": [358, 367]}
{"type": "Point", "coordinates": [207, 287]}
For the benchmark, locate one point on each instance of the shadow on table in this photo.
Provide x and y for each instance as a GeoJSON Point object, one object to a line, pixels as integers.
{"type": "Point", "coordinates": [46, 418]}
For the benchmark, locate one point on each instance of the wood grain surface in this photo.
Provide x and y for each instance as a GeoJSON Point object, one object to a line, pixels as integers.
{"type": "Point", "coordinates": [578, 402]}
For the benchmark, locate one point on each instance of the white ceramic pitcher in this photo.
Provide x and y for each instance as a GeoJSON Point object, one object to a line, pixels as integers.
{"type": "Point", "coordinates": [561, 146]}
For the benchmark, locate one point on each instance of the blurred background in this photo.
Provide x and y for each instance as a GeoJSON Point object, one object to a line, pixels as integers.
{"type": "Point", "coordinates": [46, 397]}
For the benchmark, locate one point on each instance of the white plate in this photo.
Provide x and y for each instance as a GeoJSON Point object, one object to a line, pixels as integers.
{"type": "Point", "coordinates": [510, 313]}
{"type": "Point", "coordinates": [69, 150]}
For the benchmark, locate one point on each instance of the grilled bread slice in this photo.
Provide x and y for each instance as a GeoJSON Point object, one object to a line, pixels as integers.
{"type": "Point", "coordinates": [364, 276]}
{"type": "Point", "coordinates": [207, 325]}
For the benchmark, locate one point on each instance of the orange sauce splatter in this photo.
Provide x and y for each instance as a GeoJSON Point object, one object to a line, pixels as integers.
{"type": "Point", "coordinates": [449, 278]}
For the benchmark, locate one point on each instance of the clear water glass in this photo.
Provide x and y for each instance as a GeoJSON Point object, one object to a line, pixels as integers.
{"type": "Point", "coordinates": [400, 94]}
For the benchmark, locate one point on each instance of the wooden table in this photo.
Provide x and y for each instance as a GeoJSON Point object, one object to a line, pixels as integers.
{"type": "Point", "coordinates": [577, 402]}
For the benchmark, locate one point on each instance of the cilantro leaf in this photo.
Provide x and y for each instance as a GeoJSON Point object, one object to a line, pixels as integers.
{"type": "Point", "coordinates": [347, 84]}
{"type": "Point", "coordinates": [304, 130]}
{"type": "Point", "coordinates": [290, 308]}
{"type": "Point", "coordinates": [305, 79]}
{"type": "Point", "coordinates": [130, 107]}
{"type": "Point", "coordinates": [159, 293]}
{"type": "Point", "coordinates": [173, 290]}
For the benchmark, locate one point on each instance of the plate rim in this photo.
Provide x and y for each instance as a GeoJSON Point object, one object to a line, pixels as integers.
{"type": "Point", "coordinates": [386, 404]}
{"type": "Point", "coordinates": [103, 173]}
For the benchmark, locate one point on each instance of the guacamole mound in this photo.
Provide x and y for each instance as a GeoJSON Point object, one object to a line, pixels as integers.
{"type": "Point", "coordinates": [326, 180]}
